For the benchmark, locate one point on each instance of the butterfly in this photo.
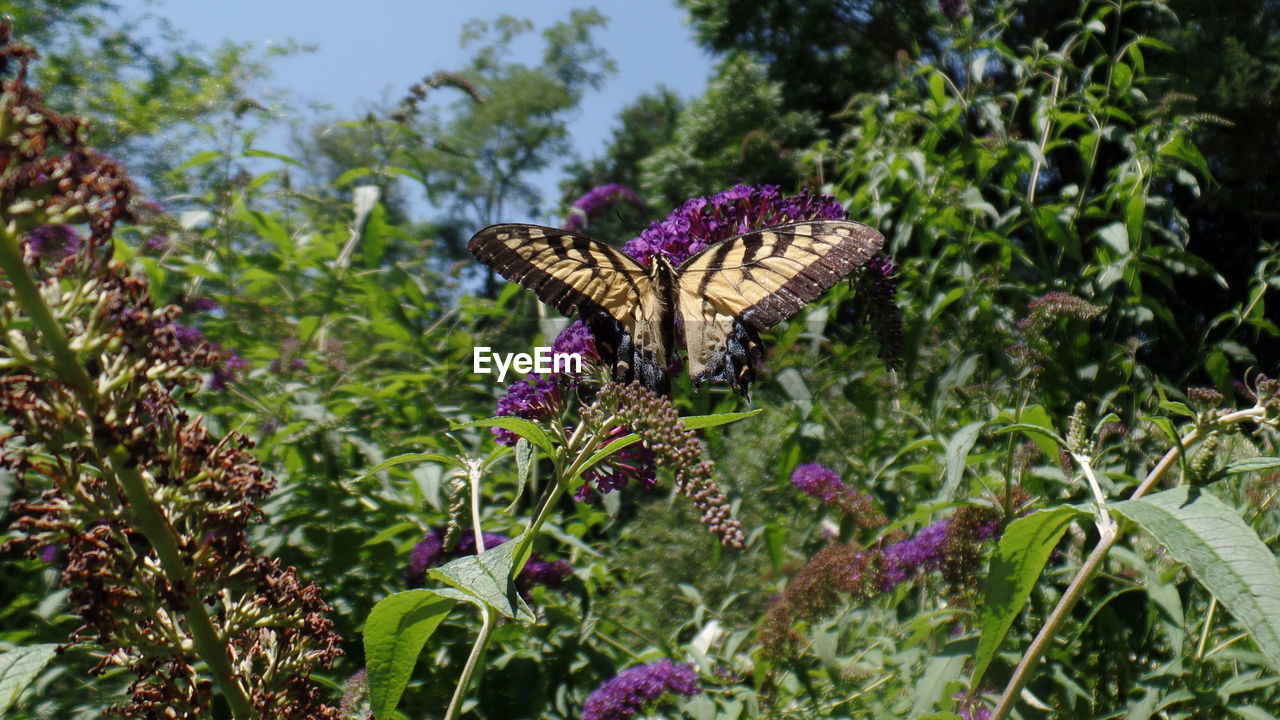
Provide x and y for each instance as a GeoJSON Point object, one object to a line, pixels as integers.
{"type": "Point", "coordinates": [716, 302]}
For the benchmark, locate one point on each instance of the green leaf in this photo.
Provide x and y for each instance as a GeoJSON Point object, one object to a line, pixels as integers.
{"type": "Point", "coordinates": [1045, 438]}
{"type": "Point", "coordinates": [775, 541]}
{"type": "Point", "coordinates": [1016, 564]}
{"type": "Point", "coordinates": [486, 579]}
{"type": "Point", "coordinates": [394, 634]}
{"type": "Point", "coordinates": [958, 448]}
{"type": "Point", "coordinates": [408, 458]}
{"type": "Point", "coordinates": [1222, 552]}
{"type": "Point", "coordinates": [1253, 464]}
{"type": "Point", "coordinates": [1116, 237]}
{"type": "Point", "coordinates": [943, 669]}
{"type": "Point", "coordinates": [200, 158]}
{"type": "Point", "coordinates": [18, 668]}
{"type": "Point", "coordinates": [524, 466]}
{"type": "Point", "coordinates": [606, 451]}
{"type": "Point", "coordinates": [272, 155]}
{"type": "Point", "coordinates": [697, 422]}
{"type": "Point", "coordinates": [520, 426]}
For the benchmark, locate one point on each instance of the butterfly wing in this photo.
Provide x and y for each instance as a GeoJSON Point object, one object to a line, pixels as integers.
{"type": "Point", "coordinates": [729, 293]}
{"type": "Point", "coordinates": [612, 293]}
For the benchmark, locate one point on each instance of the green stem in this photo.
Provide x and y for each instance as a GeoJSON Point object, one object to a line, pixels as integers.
{"type": "Point", "coordinates": [1022, 673]}
{"type": "Point", "coordinates": [523, 551]}
{"type": "Point", "coordinates": [117, 465]}
{"type": "Point", "coordinates": [477, 650]}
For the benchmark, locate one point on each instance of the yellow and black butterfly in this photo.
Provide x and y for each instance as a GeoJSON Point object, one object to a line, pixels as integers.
{"type": "Point", "coordinates": [721, 298]}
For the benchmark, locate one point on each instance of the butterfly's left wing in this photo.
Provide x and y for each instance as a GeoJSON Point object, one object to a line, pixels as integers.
{"type": "Point", "coordinates": [732, 291]}
{"type": "Point", "coordinates": [612, 293]}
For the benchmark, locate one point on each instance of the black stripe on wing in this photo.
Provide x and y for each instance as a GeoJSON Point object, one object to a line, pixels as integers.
{"type": "Point", "coordinates": [570, 272]}
{"type": "Point", "coordinates": [766, 276]}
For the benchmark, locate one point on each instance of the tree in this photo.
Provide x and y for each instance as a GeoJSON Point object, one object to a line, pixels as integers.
{"type": "Point", "coordinates": [478, 159]}
{"type": "Point", "coordinates": [139, 82]}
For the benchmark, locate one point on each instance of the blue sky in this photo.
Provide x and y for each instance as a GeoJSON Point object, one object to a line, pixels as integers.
{"type": "Point", "coordinates": [374, 50]}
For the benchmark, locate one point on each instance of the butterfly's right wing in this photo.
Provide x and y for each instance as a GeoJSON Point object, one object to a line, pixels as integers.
{"type": "Point", "coordinates": [577, 275]}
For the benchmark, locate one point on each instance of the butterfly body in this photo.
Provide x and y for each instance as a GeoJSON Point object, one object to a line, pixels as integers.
{"type": "Point", "coordinates": [716, 302]}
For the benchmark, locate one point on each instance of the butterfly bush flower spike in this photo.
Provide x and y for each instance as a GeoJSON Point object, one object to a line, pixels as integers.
{"type": "Point", "coordinates": [640, 688]}
{"type": "Point", "coordinates": [596, 201]}
{"type": "Point", "coordinates": [824, 484]}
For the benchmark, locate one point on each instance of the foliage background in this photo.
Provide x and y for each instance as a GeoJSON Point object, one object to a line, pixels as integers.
{"type": "Point", "coordinates": [1120, 152]}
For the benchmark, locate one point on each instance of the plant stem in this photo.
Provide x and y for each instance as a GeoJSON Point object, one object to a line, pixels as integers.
{"type": "Point", "coordinates": [477, 650]}
{"type": "Point", "coordinates": [1208, 625]}
{"type": "Point", "coordinates": [523, 551]}
{"type": "Point", "coordinates": [117, 465]}
{"type": "Point", "coordinates": [1109, 536]}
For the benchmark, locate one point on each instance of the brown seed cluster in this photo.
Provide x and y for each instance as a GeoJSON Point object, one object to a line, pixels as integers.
{"type": "Point", "coordinates": [652, 417]}
{"type": "Point", "coordinates": [69, 444]}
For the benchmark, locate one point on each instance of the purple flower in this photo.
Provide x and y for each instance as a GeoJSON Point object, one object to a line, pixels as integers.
{"type": "Point", "coordinates": [824, 484]}
{"type": "Point", "coordinates": [639, 688]}
{"type": "Point", "coordinates": [53, 242]}
{"type": "Point", "coordinates": [202, 304]}
{"type": "Point", "coordinates": [576, 338]}
{"type": "Point", "coordinates": [188, 337]}
{"type": "Point", "coordinates": [533, 398]}
{"type": "Point", "coordinates": [158, 243]}
{"type": "Point", "coordinates": [949, 545]}
{"type": "Point", "coordinates": [225, 374]}
{"type": "Point", "coordinates": [817, 481]}
{"type": "Point", "coordinates": [922, 553]}
{"type": "Point", "coordinates": [633, 462]}
{"type": "Point", "coordinates": [704, 221]}
{"type": "Point", "coordinates": [430, 552]}
{"type": "Point", "coordinates": [596, 201]}
{"type": "Point", "coordinates": [971, 708]}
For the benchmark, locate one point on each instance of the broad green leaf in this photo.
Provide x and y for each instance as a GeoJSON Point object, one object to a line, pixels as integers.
{"type": "Point", "coordinates": [958, 448]}
{"type": "Point", "coordinates": [1222, 552]}
{"type": "Point", "coordinates": [394, 634]}
{"type": "Point", "coordinates": [1015, 566]}
{"type": "Point", "coordinates": [1116, 237]}
{"type": "Point", "coordinates": [408, 458]}
{"type": "Point", "coordinates": [520, 426]}
{"type": "Point", "coordinates": [18, 668]}
{"type": "Point", "coordinates": [943, 669]}
{"type": "Point", "coordinates": [486, 578]}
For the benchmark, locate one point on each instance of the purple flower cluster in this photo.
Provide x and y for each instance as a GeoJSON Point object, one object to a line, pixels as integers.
{"type": "Point", "coordinates": [596, 201]}
{"type": "Point", "coordinates": [430, 552]}
{"type": "Point", "coordinates": [633, 462]}
{"type": "Point", "coordinates": [971, 708]}
{"type": "Point", "coordinates": [533, 398]}
{"type": "Point", "coordinates": [191, 338]}
{"type": "Point", "coordinates": [576, 338]}
{"type": "Point", "coordinates": [933, 548]}
{"type": "Point", "coordinates": [818, 481]}
{"type": "Point", "coordinates": [53, 242]}
{"type": "Point", "coordinates": [704, 221]}
{"type": "Point", "coordinates": [639, 688]}
{"type": "Point", "coordinates": [824, 484]}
